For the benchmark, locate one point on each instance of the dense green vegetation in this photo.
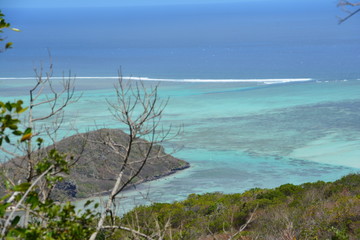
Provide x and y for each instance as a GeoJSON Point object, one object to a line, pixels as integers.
{"type": "Point", "coordinates": [317, 210]}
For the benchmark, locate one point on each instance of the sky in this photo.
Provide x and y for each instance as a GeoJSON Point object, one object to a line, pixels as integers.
{"type": "Point", "coordinates": [96, 3]}
{"type": "Point", "coordinates": [118, 3]}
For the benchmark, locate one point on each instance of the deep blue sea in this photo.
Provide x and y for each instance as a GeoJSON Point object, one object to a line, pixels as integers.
{"type": "Point", "coordinates": [268, 91]}
{"type": "Point", "coordinates": [250, 39]}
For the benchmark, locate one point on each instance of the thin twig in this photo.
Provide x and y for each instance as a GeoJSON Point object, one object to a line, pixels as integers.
{"type": "Point", "coordinates": [129, 230]}
{"type": "Point", "coordinates": [242, 228]}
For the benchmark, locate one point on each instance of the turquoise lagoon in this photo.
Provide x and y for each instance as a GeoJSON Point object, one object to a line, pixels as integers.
{"type": "Point", "coordinates": [237, 135]}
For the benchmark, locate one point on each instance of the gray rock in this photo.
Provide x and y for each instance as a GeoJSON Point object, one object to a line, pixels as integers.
{"type": "Point", "coordinates": [98, 166]}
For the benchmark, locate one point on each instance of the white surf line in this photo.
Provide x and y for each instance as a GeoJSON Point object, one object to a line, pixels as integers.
{"type": "Point", "coordinates": [250, 80]}
{"type": "Point", "coordinates": [269, 80]}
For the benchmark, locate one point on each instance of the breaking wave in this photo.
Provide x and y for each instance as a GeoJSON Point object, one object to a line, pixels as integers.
{"type": "Point", "coordinates": [259, 80]}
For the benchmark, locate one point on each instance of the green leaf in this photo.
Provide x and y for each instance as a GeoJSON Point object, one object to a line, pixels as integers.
{"type": "Point", "coordinates": [8, 106]}
{"type": "Point", "coordinates": [3, 208]}
{"type": "Point", "coordinates": [8, 184]}
{"type": "Point", "coordinates": [33, 200]}
{"type": "Point", "coordinates": [22, 187]}
{"type": "Point", "coordinates": [5, 197]}
{"type": "Point", "coordinates": [39, 142]}
{"type": "Point", "coordinates": [27, 131]}
{"type": "Point", "coordinates": [13, 127]}
{"type": "Point", "coordinates": [21, 110]}
{"type": "Point", "coordinates": [8, 45]}
{"type": "Point", "coordinates": [15, 221]}
{"type": "Point", "coordinates": [17, 132]}
{"type": "Point", "coordinates": [88, 202]}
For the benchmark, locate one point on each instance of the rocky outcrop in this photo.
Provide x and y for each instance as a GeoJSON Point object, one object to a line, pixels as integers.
{"type": "Point", "coordinates": [97, 166]}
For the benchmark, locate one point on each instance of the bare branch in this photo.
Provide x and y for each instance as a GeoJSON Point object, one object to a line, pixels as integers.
{"type": "Point", "coordinates": [46, 93]}
{"type": "Point", "coordinates": [7, 223]}
{"type": "Point", "coordinates": [129, 230]}
{"type": "Point", "coordinates": [140, 110]}
{"type": "Point", "coordinates": [10, 153]}
{"type": "Point", "coordinates": [344, 4]}
{"type": "Point", "coordinates": [347, 3]}
{"type": "Point", "coordinates": [242, 228]}
{"type": "Point", "coordinates": [349, 16]}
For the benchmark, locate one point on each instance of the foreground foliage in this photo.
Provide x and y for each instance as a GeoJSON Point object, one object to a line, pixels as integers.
{"type": "Point", "coordinates": [24, 212]}
{"type": "Point", "coordinates": [317, 210]}
{"type": "Point", "coordinates": [5, 25]}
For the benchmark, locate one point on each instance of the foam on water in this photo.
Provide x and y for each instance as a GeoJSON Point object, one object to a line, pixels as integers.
{"type": "Point", "coordinates": [268, 81]}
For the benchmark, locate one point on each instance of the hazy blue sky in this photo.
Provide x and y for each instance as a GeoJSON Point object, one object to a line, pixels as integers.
{"type": "Point", "coordinates": [108, 3]}
{"type": "Point", "coordinates": [92, 3]}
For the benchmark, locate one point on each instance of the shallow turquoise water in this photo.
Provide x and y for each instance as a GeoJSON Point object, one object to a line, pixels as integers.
{"type": "Point", "coordinates": [239, 136]}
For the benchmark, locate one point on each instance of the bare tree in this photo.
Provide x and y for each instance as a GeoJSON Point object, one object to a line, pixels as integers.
{"type": "Point", "coordinates": [55, 97]}
{"type": "Point", "coordinates": [137, 107]}
{"type": "Point", "coordinates": [140, 109]}
{"type": "Point", "coordinates": [348, 7]}
{"type": "Point", "coordinates": [47, 99]}
{"type": "Point", "coordinates": [244, 226]}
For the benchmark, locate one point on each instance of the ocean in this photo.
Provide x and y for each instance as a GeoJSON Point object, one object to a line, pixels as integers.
{"type": "Point", "coordinates": [267, 93]}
